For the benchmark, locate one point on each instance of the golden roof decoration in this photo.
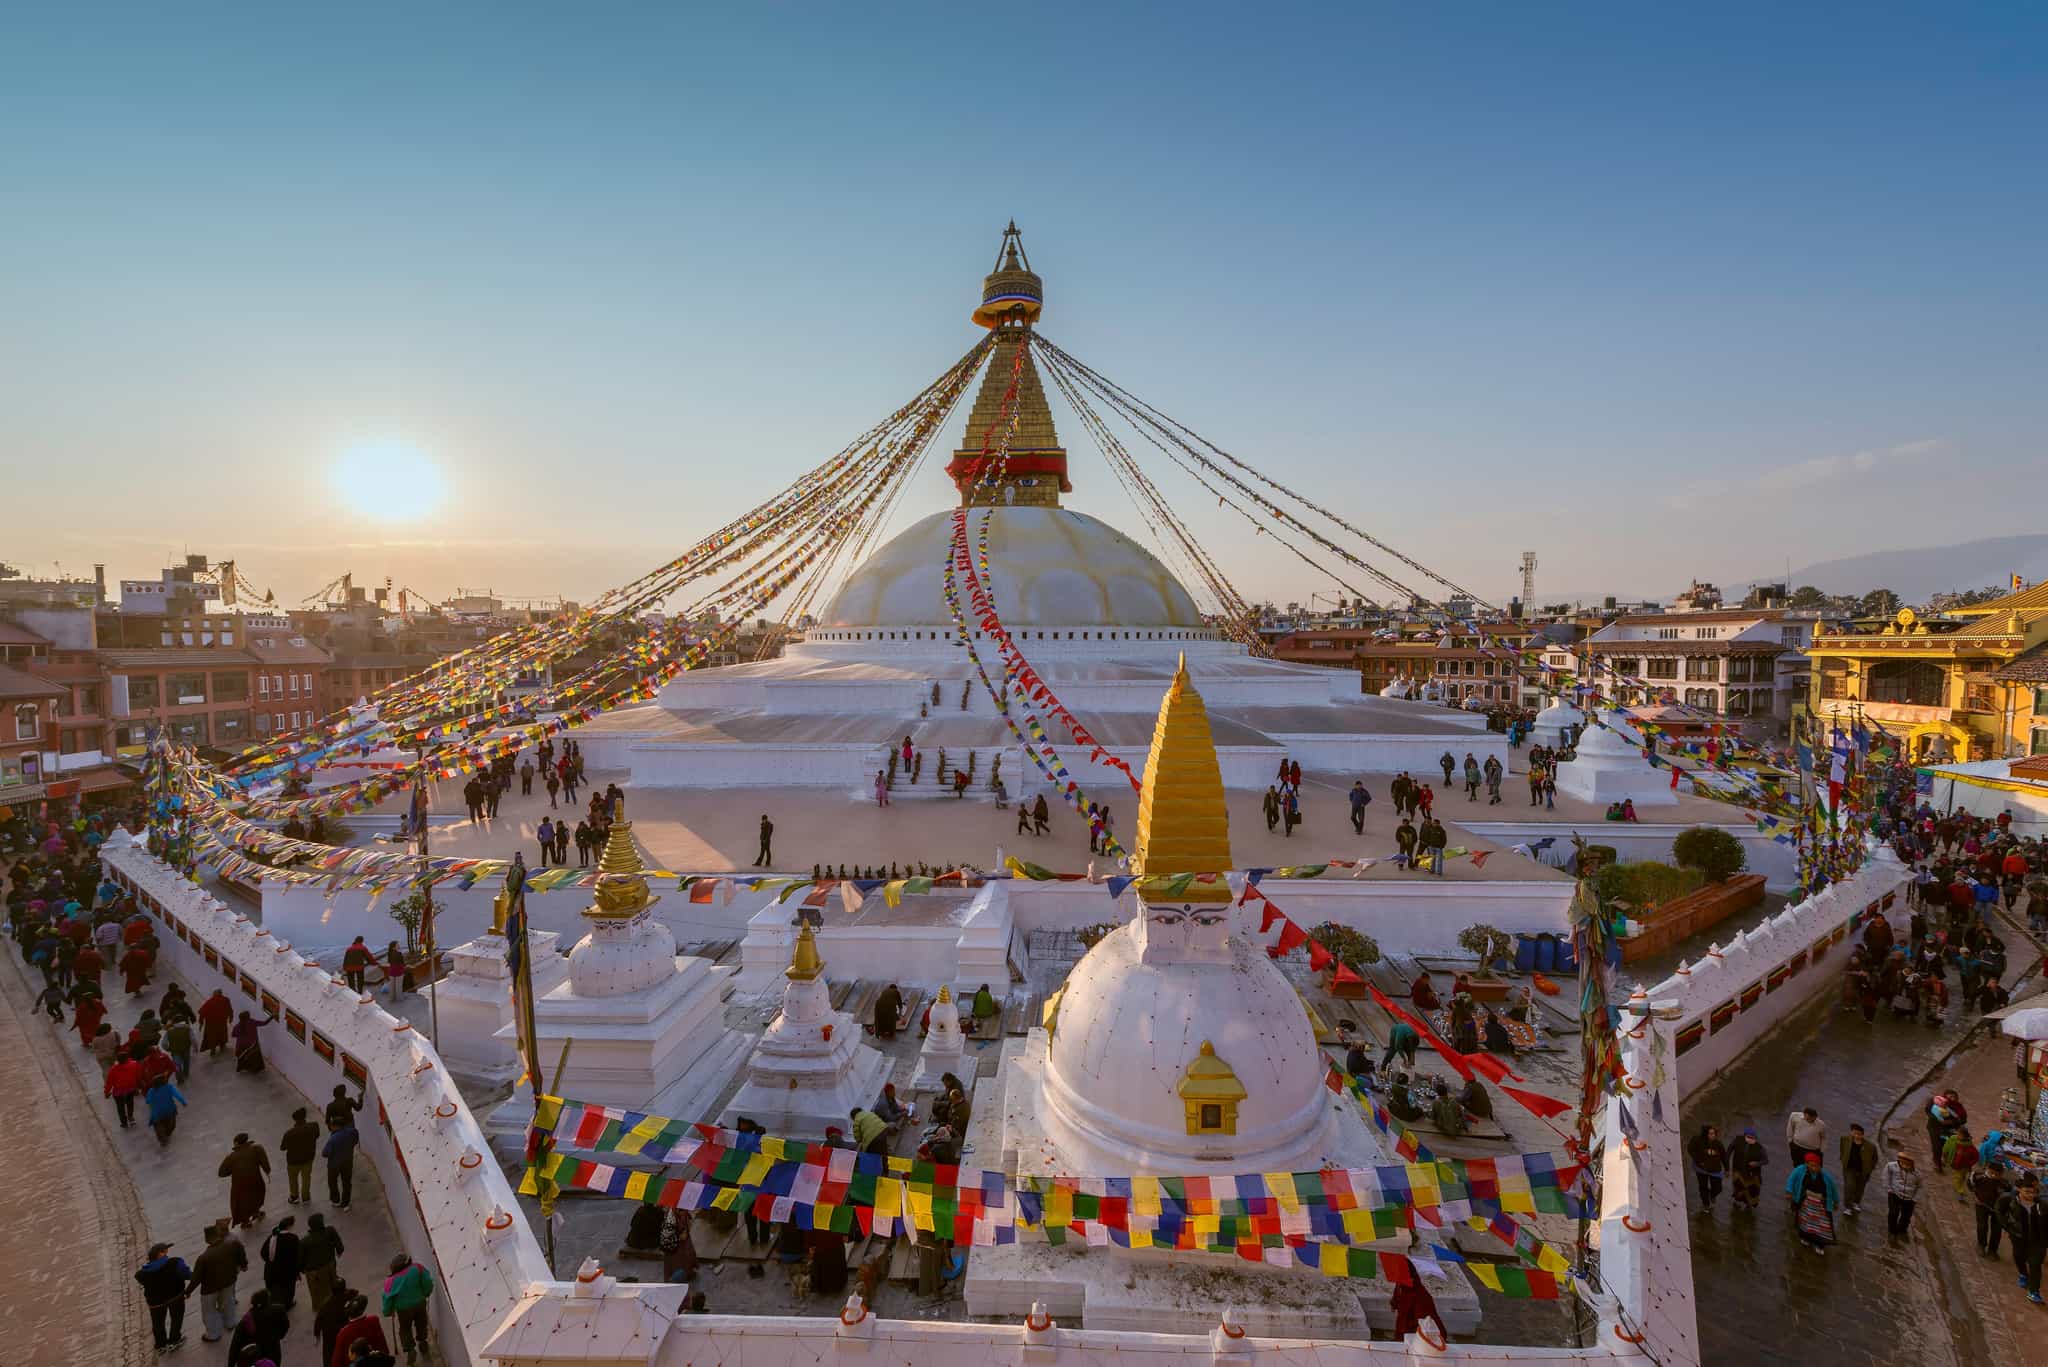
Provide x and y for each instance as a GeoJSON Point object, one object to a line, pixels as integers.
{"type": "Point", "coordinates": [805, 963]}
{"type": "Point", "coordinates": [1183, 821]}
{"type": "Point", "coordinates": [621, 887]}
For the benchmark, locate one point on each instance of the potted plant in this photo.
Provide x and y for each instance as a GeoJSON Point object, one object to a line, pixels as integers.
{"type": "Point", "coordinates": [1713, 851]}
{"type": "Point", "coordinates": [1352, 949]}
{"type": "Point", "coordinates": [1489, 943]}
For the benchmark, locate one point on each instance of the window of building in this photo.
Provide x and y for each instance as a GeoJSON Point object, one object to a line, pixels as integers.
{"type": "Point", "coordinates": [1667, 633]}
{"type": "Point", "coordinates": [1471, 667]}
{"type": "Point", "coordinates": [1738, 702]}
{"type": "Point", "coordinates": [1916, 683]}
{"type": "Point", "coordinates": [1791, 636]}
{"type": "Point", "coordinates": [28, 721]}
{"type": "Point", "coordinates": [1706, 633]}
{"type": "Point", "coordinates": [1980, 697]}
{"type": "Point", "coordinates": [277, 721]}
{"type": "Point", "coordinates": [1662, 669]}
{"type": "Point", "coordinates": [262, 685]}
{"type": "Point", "coordinates": [143, 694]}
{"type": "Point", "coordinates": [1834, 680]}
{"type": "Point", "coordinates": [1486, 668]}
{"type": "Point", "coordinates": [292, 682]}
{"type": "Point", "coordinates": [185, 689]}
{"type": "Point", "coordinates": [1738, 669]}
{"type": "Point", "coordinates": [231, 687]}
{"type": "Point", "coordinates": [188, 730]}
{"type": "Point", "coordinates": [231, 727]}
{"type": "Point", "coordinates": [2041, 703]}
{"type": "Point", "coordinates": [1703, 667]}
{"type": "Point", "coordinates": [87, 697]}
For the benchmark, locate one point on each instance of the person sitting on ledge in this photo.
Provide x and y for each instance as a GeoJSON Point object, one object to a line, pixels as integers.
{"type": "Point", "coordinates": [1628, 809]}
{"type": "Point", "coordinates": [1423, 994]}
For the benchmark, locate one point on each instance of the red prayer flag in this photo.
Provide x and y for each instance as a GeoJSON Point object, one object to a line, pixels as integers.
{"type": "Point", "coordinates": [1318, 957]}
{"type": "Point", "coordinates": [1538, 1104]}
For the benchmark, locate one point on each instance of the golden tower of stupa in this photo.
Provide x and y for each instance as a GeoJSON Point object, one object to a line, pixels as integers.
{"type": "Point", "coordinates": [1183, 822]}
{"type": "Point", "coordinates": [621, 885]}
{"type": "Point", "coordinates": [1034, 472]}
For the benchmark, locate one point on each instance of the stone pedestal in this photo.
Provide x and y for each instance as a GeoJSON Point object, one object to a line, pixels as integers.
{"type": "Point", "coordinates": [476, 1004]}
{"type": "Point", "coordinates": [810, 1069]}
{"type": "Point", "coordinates": [647, 1024]}
{"type": "Point", "coordinates": [945, 1048]}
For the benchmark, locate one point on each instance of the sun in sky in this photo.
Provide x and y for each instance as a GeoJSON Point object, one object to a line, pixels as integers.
{"type": "Point", "coordinates": [388, 480]}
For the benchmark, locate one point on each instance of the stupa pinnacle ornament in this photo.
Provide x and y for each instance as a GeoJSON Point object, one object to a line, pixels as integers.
{"type": "Point", "coordinates": [805, 963]}
{"type": "Point", "coordinates": [1183, 822]}
{"type": "Point", "coordinates": [621, 887]}
{"type": "Point", "coordinates": [1033, 471]}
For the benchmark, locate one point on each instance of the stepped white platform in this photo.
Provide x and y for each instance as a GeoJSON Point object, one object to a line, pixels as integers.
{"type": "Point", "coordinates": [810, 1068]}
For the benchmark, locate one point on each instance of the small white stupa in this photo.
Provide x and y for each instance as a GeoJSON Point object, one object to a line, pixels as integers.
{"type": "Point", "coordinates": [1177, 1048]}
{"type": "Point", "coordinates": [647, 1024]}
{"type": "Point", "coordinates": [945, 1048]}
{"type": "Point", "coordinates": [1609, 767]}
{"type": "Point", "coordinates": [476, 999]}
{"type": "Point", "coordinates": [1555, 722]}
{"type": "Point", "coordinates": [810, 1068]}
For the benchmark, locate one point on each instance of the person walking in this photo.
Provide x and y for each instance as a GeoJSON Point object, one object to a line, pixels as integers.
{"type": "Point", "coordinates": [1449, 764]}
{"type": "Point", "coordinates": [1958, 1155]}
{"type": "Point", "coordinates": [249, 1043]}
{"type": "Point", "coordinates": [1901, 1192]}
{"type": "Point", "coordinates": [1272, 807]}
{"type": "Point", "coordinates": [2026, 1220]}
{"type": "Point", "coordinates": [165, 1282]}
{"type": "Point", "coordinates": [215, 1272]}
{"type": "Point", "coordinates": [246, 1166]}
{"type": "Point", "coordinates": [1405, 840]}
{"type": "Point", "coordinates": [406, 1292]}
{"type": "Point", "coordinates": [162, 1101]}
{"type": "Point", "coordinates": [299, 1145]}
{"type": "Point", "coordinates": [280, 1253]}
{"type": "Point", "coordinates": [1814, 1197]}
{"type": "Point", "coordinates": [124, 1084]}
{"type": "Point", "coordinates": [355, 962]}
{"type": "Point", "coordinates": [216, 1015]}
{"type": "Point", "coordinates": [394, 969]}
{"type": "Point", "coordinates": [1709, 1162]}
{"type": "Point", "coordinates": [1359, 798]}
{"type": "Point", "coordinates": [766, 856]}
{"type": "Point", "coordinates": [340, 1152]}
{"type": "Point", "coordinates": [320, 1251]}
{"type": "Point", "coordinates": [1472, 777]}
{"type": "Point", "coordinates": [1987, 1188]}
{"type": "Point", "coordinates": [1746, 1161]}
{"type": "Point", "coordinates": [362, 1327]}
{"type": "Point", "coordinates": [1805, 1132]}
{"type": "Point", "coordinates": [1859, 1165]}
{"type": "Point", "coordinates": [546, 836]}
{"type": "Point", "coordinates": [554, 786]}
{"type": "Point", "coordinates": [261, 1333]}
{"type": "Point", "coordinates": [178, 1044]}
{"type": "Point", "coordinates": [331, 1316]}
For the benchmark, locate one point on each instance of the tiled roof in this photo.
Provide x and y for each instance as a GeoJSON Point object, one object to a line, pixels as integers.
{"type": "Point", "coordinates": [2005, 622]}
{"type": "Point", "coordinates": [2032, 598]}
{"type": "Point", "coordinates": [1684, 648]}
{"type": "Point", "coordinates": [19, 683]}
{"type": "Point", "coordinates": [198, 657]}
{"type": "Point", "coordinates": [15, 634]}
{"type": "Point", "coordinates": [2030, 667]}
{"type": "Point", "coordinates": [284, 648]}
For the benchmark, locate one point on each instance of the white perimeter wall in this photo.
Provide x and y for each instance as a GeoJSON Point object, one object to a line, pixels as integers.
{"type": "Point", "coordinates": [1815, 934]}
{"type": "Point", "coordinates": [427, 1148]}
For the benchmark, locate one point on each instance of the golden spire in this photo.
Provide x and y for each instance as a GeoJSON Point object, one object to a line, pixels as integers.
{"type": "Point", "coordinates": [945, 993]}
{"type": "Point", "coordinates": [1034, 471]}
{"type": "Point", "coordinates": [1183, 823]}
{"type": "Point", "coordinates": [805, 963]}
{"type": "Point", "coordinates": [621, 890]}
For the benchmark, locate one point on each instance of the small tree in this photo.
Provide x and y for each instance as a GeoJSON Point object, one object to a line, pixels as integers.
{"type": "Point", "coordinates": [1488, 942]}
{"type": "Point", "coordinates": [409, 911]}
{"type": "Point", "coordinates": [1713, 851]}
{"type": "Point", "coordinates": [1353, 948]}
{"type": "Point", "coordinates": [1091, 936]}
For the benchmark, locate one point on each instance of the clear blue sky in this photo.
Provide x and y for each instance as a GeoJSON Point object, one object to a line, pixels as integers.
{"type": "Point", "coordinates": [1654, 292]}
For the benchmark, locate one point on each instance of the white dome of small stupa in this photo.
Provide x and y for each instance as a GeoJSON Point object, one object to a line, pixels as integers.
{"type": "Point", "coordinates": [1129, 1032]}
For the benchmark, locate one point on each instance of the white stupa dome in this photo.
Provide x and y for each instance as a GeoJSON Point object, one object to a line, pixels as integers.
{"type": "Point", "coordinates": [1048, 566]}
{"type": "Point", "coordinates": [1127, 1032]}
{"type": "Point", "coordinates": [619, 957]}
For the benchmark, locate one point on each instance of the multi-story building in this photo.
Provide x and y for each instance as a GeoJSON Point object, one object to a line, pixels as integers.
{"type": "Point", "coordinates": [28, 716]}
{"type": "Point", "coordinates": [291, 686]}
{"type": "Point", "coordinates": [351, 676]}
{"type": "Point", "coordinates": [1468, 662]}
{"type": "Point", "coordinates": [202, 694]}
{"type": "Point", "coordinates": [1957, 686]}
{"type": "Point", "coordinates": [1723, 661]}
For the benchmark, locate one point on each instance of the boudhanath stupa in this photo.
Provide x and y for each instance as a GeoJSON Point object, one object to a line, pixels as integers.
{"type": "Point", "coordinates": [1102, 620]}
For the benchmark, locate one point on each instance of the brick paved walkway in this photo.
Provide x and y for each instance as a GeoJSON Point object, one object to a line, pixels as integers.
{"type": "Point", "coordinates": [116, 1191]}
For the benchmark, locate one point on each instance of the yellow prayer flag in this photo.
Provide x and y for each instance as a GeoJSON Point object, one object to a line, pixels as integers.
{"type": "Point", "coordinates": [1281, 1184]}
{"type": "Point", "coordinates": [1484, 1274]}
{"type": "Point", "coordinates": [636, 1186]}
{"type": "Point", "coordinates": [1145, 1195]}
{"type": "Point", "coordinates": [756, 1169]}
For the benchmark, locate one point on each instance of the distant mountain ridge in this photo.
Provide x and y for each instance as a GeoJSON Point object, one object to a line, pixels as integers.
{"type": "Point", "coordinates": [1918, 574]}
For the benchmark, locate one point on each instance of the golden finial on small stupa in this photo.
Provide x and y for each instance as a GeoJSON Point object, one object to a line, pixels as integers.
{"type": "Point", "coordinates": [501, 908]}
{"type": "Point", "coordinates": [1183, 822]}
{"type": "Point", "coordinates": [945, 993]}
{"type": "Point", "coordinates": [805, 963]}
{"type": "Point", "coordinates": [621, 888]}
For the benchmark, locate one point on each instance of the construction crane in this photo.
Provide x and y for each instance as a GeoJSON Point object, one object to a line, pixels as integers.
{"type": "Point", "coordinates": [334, 593]}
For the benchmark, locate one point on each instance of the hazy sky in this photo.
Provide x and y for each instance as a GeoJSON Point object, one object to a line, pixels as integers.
{"type": "Point", "coordinates": [1654, 292]}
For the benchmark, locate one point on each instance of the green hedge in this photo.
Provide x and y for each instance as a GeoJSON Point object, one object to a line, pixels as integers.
{"type": "Point", "coordinates": [1645, 885]}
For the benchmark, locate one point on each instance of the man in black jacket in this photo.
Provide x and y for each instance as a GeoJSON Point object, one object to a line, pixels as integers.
{"type": "Point", "coordinates": [300, 1146]}
{"type": "Point", "coordinates": [2025, 1218]}
{"type": "Point", "coordinates": [165, 1282]}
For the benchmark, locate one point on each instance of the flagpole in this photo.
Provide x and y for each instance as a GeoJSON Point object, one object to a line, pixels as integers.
{"type": "Point", "coordinates": [419, 807]}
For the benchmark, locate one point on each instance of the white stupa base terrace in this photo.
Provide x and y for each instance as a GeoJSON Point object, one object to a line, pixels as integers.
{"type": "Point", "coordinates": [1153, 1291]}
{"type": "Point", "coordinates": [828, 712]}
{"type": "Point", "coordinates": [474, 1002]}
{"type": "Point", "coordinates": [809, 1069]}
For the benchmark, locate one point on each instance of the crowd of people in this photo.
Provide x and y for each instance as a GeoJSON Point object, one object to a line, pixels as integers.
{"type": "Point", "coordinates": [73, 928]}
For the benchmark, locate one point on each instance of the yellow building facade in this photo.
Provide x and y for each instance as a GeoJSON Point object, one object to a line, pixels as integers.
{"type": "Point", "coordinates": [1956, 687]}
